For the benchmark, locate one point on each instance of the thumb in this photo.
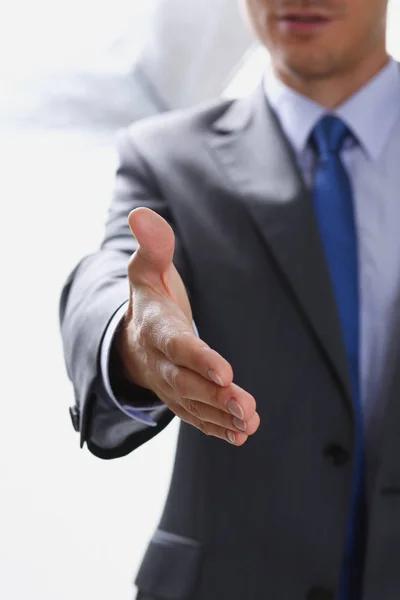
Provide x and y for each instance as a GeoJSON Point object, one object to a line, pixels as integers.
{"type": "Point", "coordinates": [156, 241]}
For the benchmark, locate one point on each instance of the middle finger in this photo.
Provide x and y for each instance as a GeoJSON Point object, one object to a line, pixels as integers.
{"type": "Point", "coordinates": [186, 384]}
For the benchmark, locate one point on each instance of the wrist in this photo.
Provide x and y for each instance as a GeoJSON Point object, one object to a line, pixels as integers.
{"type": "Point", "coordinates": [126, 367]}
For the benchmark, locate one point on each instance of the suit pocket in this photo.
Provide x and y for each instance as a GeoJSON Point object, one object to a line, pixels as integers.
{"type": "Point", "coordinates": [170, 567]}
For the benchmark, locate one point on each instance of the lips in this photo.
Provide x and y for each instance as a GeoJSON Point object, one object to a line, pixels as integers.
{"type": "Point", "coordinates": [303, 22]}
{"type": "Point", "coordinates": [305, 18]}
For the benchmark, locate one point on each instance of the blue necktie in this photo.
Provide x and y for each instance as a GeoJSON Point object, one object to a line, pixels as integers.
{"type": "Point", "coordinates": [334, 210]}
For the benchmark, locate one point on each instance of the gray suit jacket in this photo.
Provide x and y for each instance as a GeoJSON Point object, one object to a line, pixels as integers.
{"type": "Point", "coordinates": [266, 520]}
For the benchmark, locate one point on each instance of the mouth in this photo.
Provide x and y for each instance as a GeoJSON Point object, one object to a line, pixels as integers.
{"type": "Point", "coordinates": [303, 22]}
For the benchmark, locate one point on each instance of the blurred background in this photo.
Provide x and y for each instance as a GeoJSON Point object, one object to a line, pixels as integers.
{"type": "Point", "coordinates": [71, 75]}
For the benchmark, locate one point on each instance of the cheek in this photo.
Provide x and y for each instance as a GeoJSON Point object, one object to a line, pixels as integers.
{"type": "Point", "coordinates": [259, 17]}
{"type": "Point", "coordinates": [354, 34]}
{"type": "Point", "coordinates": [268, 30]}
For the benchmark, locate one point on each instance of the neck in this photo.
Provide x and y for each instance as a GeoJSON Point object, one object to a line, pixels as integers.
{"type": "Point", "coordinates": [333, 89]}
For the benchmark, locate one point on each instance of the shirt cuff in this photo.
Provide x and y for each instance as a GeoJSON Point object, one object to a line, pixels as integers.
{"type": "Point", "coordinates": [138, 413]}
{"type": "Point", "coordinates": [195, 329]}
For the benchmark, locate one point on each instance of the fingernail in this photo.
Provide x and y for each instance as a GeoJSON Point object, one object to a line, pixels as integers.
{"type": "Point", "coordinates": [214, 377]}
{"type": "Point", "coordinates": [235, 409]}
{"type": "Point", "coordinates": [231, 437]}
{"type": "Point", "coordinates": [239, 424]}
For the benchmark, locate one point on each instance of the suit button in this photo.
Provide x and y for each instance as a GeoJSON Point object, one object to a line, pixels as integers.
{"type": "Point", "coordinates": [337, 455]}
{"type": "Point", "coordinates": [319, 593]}
{"type": "Point", "coordinates": [75, 417]}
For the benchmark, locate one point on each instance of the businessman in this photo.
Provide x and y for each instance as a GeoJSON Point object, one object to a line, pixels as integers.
{"type": "Point", "coordinates": [249, 283]}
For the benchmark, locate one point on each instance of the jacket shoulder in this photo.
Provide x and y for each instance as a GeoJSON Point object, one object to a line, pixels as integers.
{"type": "Point", "coordinates": [177, 126]}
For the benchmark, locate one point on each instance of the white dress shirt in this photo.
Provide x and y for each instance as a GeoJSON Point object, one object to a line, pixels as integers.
{"type": "Point", "coordinates": [373, 115]}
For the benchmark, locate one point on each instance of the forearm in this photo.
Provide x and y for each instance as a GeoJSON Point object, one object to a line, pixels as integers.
{"type": "Point", "coordinates": [88, 304]}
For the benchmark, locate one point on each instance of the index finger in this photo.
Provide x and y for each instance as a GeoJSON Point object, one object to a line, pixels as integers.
{"type": "Point", "coordinates": [185, 349]}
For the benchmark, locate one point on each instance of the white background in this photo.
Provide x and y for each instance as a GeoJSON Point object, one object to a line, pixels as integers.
{"type": "Point", "coordinates": [72, 527]}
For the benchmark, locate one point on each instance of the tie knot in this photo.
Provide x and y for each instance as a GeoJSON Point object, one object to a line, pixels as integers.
{"type": "Point", "coordinates": [329, 134]}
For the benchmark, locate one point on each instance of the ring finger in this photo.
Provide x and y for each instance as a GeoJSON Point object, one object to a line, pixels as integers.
{"type": "Point", "coordinates": [229, 434]}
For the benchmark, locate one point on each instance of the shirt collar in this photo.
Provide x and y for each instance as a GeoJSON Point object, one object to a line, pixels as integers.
{"type": "Point", "coordinates": [370, 113]}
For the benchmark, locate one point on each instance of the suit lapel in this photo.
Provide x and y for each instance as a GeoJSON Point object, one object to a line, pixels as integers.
{"type": "Point", "coordinates": [257, 159]}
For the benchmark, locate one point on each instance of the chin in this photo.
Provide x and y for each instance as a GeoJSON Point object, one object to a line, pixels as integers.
{"type": "Point", "coordinates": [308, 65]}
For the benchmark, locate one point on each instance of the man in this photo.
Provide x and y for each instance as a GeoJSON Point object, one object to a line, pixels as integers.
{"type": "Point", "coordinates": [271, 224]}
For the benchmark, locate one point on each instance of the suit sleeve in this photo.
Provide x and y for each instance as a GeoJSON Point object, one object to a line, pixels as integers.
{"type": "Point", "coordinates": [91, 297]}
